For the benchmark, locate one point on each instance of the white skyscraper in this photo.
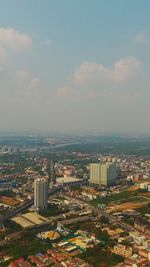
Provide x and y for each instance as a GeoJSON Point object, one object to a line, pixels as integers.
{"type": "Point", "coordinates": [102, 174]}
{"type": "Point", "coordinates": [40, 193]}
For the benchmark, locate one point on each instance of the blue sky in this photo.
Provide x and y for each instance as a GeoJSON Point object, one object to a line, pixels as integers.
{"type": "Point", "coordinates": [75, 66]}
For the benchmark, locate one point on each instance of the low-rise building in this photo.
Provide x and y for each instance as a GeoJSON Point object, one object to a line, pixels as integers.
{"type": "Point", "coordinates": [144, 253]}
{"type": "Point", "coordinates": [122, 250]}
{"type": "Point", "coordinates": [138, 239]}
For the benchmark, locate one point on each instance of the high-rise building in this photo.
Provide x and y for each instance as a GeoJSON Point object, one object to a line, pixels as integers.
{"type": "Point", "coordinates": [108, 174]}
{"type": "Point", "coordinates": [102, 174]}
{"type": "Point", "coordinates": [52, 176]}
{"type": "Point", "coordinates": [40, 194]}
{"type": "Point", "coordinates": [51, 171]}
{"type": "Point", "coordinates": [95, 173]}
{"type": "Point", "coordinates": [51, 166]}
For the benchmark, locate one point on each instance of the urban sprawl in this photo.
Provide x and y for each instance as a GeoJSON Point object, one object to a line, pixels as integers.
{"type": "Point", "coordinates": [69, 208]}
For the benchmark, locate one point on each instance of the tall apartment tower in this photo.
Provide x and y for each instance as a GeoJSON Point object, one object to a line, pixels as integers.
{"type": "Point", "coordinates": [102, 174]}
{"type": "Point", "coordinates": [52, 172]}
{"type": "Point", "coordinates": [40, 194]}
{"type": "Point", "coordinates": [51, 166]}
{"type": "Point", "coordinates": [95, 173]}
{"type": "Point", "coordinates": [108, 173]}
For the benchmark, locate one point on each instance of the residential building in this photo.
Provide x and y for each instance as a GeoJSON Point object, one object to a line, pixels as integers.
{"type": "Point", "coordinates": [95, 173]}
{"type": "Point", "coordinates": [40, 193]}
{"type": "Point", "coordinates": [122, 250]}
{"type": "Point", "coordinates": [103, 174]}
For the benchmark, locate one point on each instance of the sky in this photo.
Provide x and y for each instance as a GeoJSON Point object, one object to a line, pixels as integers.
{"type": "Point", "coordinates": [75, 66]}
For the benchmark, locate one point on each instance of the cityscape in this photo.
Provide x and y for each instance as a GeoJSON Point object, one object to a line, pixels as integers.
{"type": "Point", "coordinates": [63, 206]}
{"type": "Point", "coordinates": [74, 133]}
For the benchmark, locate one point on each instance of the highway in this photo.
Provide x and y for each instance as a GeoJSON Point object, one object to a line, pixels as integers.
{"type": "Point", "coordinates": [111, 218]}
{"type": "Point", "coordinates": [27, 205]}
{"type": "Point", "coordinates": [52, 191]}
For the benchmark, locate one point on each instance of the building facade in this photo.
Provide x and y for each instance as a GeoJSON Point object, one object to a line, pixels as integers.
{"type": "Point", "coordinates": [102, 174]}
{"type": "Point", "coordinates": [95, 173]}
{"type": "Point", "coordinates": [40, 194]}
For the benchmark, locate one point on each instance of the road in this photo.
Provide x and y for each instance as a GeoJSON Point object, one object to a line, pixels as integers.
{"type": "Point", "coordinates": [27, 205]}
{"type": "Point", "coordinates": [52, 191]}
{"type": "Point", "coordinates": [111, 218]}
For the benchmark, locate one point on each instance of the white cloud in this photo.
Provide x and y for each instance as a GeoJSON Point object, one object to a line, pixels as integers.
{"type": "Point", "coordinates": [66, 90]}
{"type": "Point", "coordinates": [21, 74]}
{"type": "Point", "coordinates": [11, 38]}
{"type": "Point", "coordinates": [63, 91]}
{"type": "Point", "coordinates": [125, 69]}
{"type": "Point", "coordinates": [140, 38]}
{"type": "Point", "coordinates": [14, 39]}
{"type": "Point", "coordinates": [34, 83]}
{"type": "Point", "coordinates": [90, 75]}
{"type": "Point", "coordinates": [26, 83]}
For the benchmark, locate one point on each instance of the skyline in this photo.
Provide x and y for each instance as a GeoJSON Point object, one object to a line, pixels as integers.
{"type": "Point", "coordinates": [75, 67]}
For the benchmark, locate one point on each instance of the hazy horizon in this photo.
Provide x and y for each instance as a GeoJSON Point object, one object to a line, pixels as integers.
{"type": "Point", "coordinates": [75, 66]}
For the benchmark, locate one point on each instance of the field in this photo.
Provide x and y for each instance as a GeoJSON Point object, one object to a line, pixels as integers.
{"type": "Point", "coordinates": [8, 201]}
{"type": "Point", "coordinates": [124, 200]}
{"type": "Point", "coordinates": [126, 206]}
